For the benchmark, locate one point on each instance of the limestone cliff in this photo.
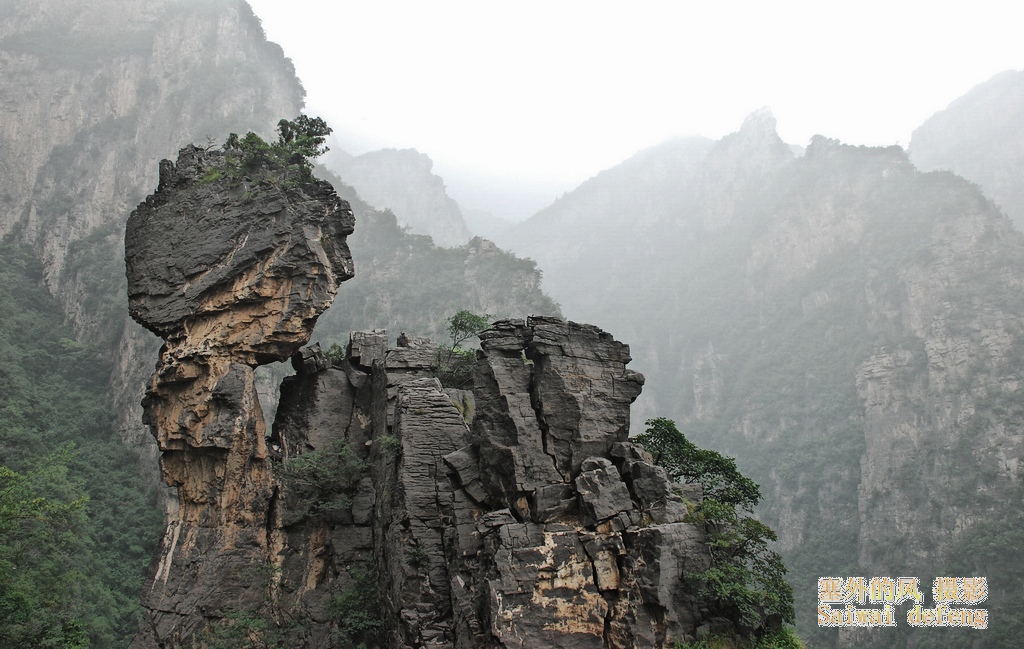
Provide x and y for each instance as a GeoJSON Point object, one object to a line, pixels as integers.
{"type": "Point", "coordinates": [515, 514]}
{"type": "Point", "coordinates": [231, 274]}
{"type": "Point", "coordinates": [383, 509]}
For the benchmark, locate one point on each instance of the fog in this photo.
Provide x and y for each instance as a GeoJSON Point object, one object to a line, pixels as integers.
{"type": "Point", "coordinates": [551, 94]}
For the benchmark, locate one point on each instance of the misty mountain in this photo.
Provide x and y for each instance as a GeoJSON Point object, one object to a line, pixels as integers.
{"type": "Point", "coordinates": [402, 181]}
{"type": "Point", "coordinates": [849, 328]}
{"type": "Point", "coordinates": [485, 224]}
{"type": "Point", "coordinates": [980, 136]}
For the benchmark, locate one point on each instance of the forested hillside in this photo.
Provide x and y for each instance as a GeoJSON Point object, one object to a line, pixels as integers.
{"type": "Point", "coordinates": [71, 565]}
{"type": "Point", "coordinates": [405, 282]}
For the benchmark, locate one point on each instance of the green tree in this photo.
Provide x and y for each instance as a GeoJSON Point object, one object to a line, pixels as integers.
{"type": "Point", "coordinates": [683, 460]}
{"type": "Point", "coordinates": [298, 141]}
{"type": "Point", "coordinates": [38, 574]}
{"type": "Point", "coordinates": [746, 580]}
{"type": "Point", "coordinates": [304, 136]}
{"type": "Point", "coordinates": [454, 363]}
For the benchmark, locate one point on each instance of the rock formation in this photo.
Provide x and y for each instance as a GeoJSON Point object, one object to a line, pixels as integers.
{"type": "Point", "coordinates": [94, 94]}
{"type": "Point", "coordinates": [515, 514]}
{"type": "Point", "coordinates": [231, 274]}
{"type": "Point", "coordinates": [385, 509]}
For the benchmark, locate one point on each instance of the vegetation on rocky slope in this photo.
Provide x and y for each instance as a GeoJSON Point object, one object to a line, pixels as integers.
{"type": "Point", "coordinates": [77, 523]}
{"type": "Point", "coordinates": [746, 581]}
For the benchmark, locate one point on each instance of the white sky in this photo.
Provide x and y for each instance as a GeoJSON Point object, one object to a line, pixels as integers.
{"type": "Point", "coordinates": [558, 90]}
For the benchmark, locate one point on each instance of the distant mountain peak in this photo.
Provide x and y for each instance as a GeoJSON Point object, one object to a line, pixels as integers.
{"type": "Point", "coordinates": [403, 181]}
{"type": "Point", "coordinates": [761, 120]}
{"type": "Point", "coordinates": [980, 136]}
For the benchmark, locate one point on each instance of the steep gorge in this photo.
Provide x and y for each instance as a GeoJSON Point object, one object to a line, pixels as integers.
{"type": "Point", "coordinates": [94, 94]}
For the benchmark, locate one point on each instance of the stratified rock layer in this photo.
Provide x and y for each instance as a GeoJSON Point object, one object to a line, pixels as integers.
{"type": "Point", "coordinates": [231, 274]}
{"type": "Point", "coordinates": [515, 514]}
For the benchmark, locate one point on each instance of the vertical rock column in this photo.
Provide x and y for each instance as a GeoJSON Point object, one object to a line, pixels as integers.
{"type": "Point", "coordinates": [231, 274]}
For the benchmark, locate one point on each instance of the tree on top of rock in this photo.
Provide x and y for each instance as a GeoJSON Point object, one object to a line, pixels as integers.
{"type": "Point", "coordinates": [298, 141]}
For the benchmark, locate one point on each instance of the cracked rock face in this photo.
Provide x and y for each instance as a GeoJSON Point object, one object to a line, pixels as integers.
{"type": "Point", "coordinates": [242, 269]}
{"type": "Point", "coordinates": [486, 518]}
{"type": "Point", "coordinates": [384, 509]}
{"type": "Point", "coordinates": [230, 275]}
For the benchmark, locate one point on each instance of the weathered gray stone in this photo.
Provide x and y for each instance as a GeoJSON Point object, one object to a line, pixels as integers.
{"type": "Point", "coordinates": [465, 462]}
{"type": "Point", "coordinates": [230, 278]}
{"type": "Point", "coordinates": [602, 493]}
{"type": "Point", "coordinates": [505, 336]}
{"type": "Point", "coordinates": [505, 534]}
{"type": "Point", "coordinates": [365, 347]}
{"type": "Point", "coordinates": [213, 256]}
{"type": "Point", "coordinates": [422, 357]}
{"type": "Point", "coordinates": [311, 359]}
{"type": "Point", "coordinates": [657, 496]}
{"type": "Point", "coordinates": [581, 389]}
{"type": "Point", "coordinates": [551, 502]}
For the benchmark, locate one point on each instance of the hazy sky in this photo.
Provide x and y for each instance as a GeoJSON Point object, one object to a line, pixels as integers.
{"type": "Point", "coordinates": [559, 90]}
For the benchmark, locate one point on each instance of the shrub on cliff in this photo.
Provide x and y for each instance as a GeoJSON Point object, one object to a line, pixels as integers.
{"type": "Point", "coordinates": [454, 363]}
{"type": "Point", "coordinates": [298, 141]}
{"type": "Point", "coordinates": [746, 580]}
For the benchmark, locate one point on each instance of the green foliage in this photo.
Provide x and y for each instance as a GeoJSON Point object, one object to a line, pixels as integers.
{"type": "Point", "coordinates": [389, 445]}
{"type": "Point", "coordinates": [212, 175]}
{"type": "Point", "coordinates": [336, 353]}
{"type": "Point", "coordinates": [454, 364]}
{"type": "Point", "coordinates": [683, 460]}
{"type": "Point", "coordinates": [298, 141]}
{"type": "Point", "coordinates": [245, 630]}
{"type": "Point", "coordinates": [464, 325]}
{"type": "Point", "coordinates": [746, 580]}
{"type": "Point", "coordinates": [992, 548]}
{"type": "Point", "coordinates": [356, 611]}
{"type": "Point", "coordinates": [37, 571]}
{"type": "Point", "coordinates": [304, 136]}
{"type": "Point", "coordinates": [782, 639]}
{"type": "Point", "coordinates": [325, 478]}
{"type": "Point", "coordinates": [52, 394]}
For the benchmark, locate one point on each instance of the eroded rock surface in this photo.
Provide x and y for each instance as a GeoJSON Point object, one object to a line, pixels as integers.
{"type": "Point", "coordinates": [231, 274]}
{"type": "Point", "coordinates": [384, 509]}
{"type": "Point", "coordinates": [486, 518]}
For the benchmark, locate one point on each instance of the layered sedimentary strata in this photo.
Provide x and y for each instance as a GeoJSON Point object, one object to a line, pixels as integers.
{"type": "Point", "coordinates": [514, 514]}
{"type": "Point", "coordinates": [231, 274]}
